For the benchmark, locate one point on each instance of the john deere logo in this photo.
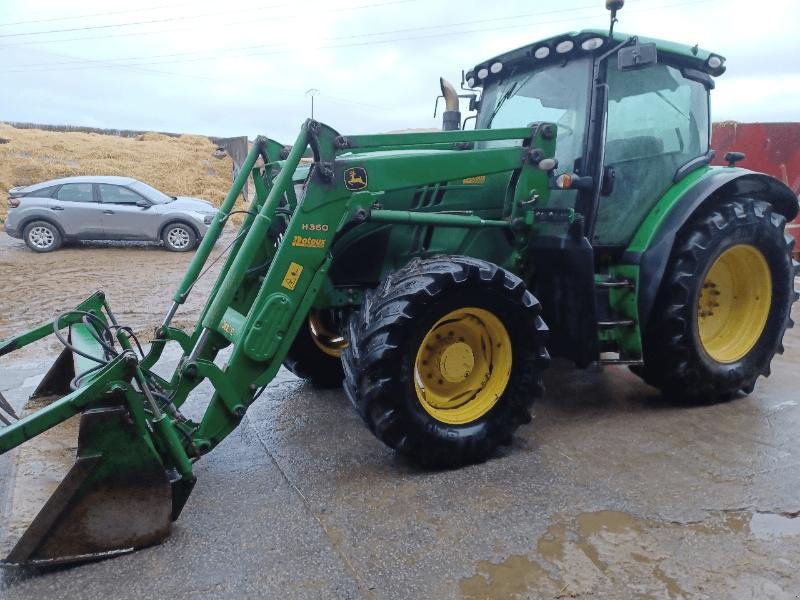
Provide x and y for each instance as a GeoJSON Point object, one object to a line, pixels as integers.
{"type": "Point", "coordinates": [355, 178]}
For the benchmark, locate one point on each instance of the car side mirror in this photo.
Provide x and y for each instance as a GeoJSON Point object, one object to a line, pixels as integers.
{"type": "Point", "coordinates": [638, 56]}
{"type": "Point", "coordinates": [143, 204]}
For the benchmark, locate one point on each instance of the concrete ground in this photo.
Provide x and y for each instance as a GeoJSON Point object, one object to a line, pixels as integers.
{"type": "Point", "coordinates": [611, 492]}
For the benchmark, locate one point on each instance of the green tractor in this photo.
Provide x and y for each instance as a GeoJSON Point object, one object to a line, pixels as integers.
{"type": "Point", "coordinates": [435, 274]}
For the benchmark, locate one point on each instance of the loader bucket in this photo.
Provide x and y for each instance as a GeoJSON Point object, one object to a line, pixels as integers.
{"type": "Point", "coordinates": [120, 494]}
{"type": "Point", "coordinates": [116, 498]}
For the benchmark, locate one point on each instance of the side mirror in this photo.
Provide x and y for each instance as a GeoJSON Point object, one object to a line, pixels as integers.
{"type": "Point", "coordinates": [143, 204]}
{"type": "Point", "coordinates": [638, 56]}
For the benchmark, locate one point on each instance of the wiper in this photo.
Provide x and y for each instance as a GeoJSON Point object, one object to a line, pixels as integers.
{"type": "Point", "coordinates": [502, 101]}
{"type": "Point", "coordinates": [517, 87]}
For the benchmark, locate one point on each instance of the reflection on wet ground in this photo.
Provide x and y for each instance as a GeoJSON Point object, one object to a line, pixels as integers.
{"type": "Point", "coordinates": [612, 491]}
{"type": "Point", "coordinates": [610, 550]}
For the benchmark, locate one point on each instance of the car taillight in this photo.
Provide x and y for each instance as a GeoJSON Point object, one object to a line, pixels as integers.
{"type": "Point", "coordinates": [13, 202]}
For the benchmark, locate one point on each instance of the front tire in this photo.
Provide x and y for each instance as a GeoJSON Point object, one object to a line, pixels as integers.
{"type": "Point", "coordinates": [445, 359]}
{"type": "Point", "coordinates": [724, 304]}
{"type": "Point", "coordinates": [42, 236]}
{"type": "Point", "coordinates": [315, 354]}
{"type": "Point", "coordinates": [179, 237]}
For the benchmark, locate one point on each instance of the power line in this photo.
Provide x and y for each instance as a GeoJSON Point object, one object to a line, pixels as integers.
{"type": "Point", "coordinates": [100, 14]}
{"type": "Point", "coordinates": [175, 18]}
{"type": "Point", "coordinates": [248, 21]}
{"type": "Point", "coordinates": [127, 24]}
{"type": "Point", "coordinates": [345, 37]}
{"type": "Point", "coordinates": [267, 52]}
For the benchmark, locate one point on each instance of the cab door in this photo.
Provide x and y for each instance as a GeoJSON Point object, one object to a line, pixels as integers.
{"type": "Point", "coordinates": [126, 214]}
{"type": "Point", "coordinates": [657, 122]}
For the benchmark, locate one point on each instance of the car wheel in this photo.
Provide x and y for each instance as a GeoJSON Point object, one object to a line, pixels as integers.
{"type": "Point", "coordinates": [41, 236]}
{"type": "Point", "coordinates": [179, 237]}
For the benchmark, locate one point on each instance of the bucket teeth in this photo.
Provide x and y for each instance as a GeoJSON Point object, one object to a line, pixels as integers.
{"type": "Point", "coordinates": [7, 411]}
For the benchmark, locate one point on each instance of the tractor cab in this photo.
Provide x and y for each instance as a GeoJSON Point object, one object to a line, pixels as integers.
{"type": "Point", "coordinates": [632, 116]}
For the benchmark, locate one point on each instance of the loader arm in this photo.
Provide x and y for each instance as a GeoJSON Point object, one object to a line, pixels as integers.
{"type": "Point", "coordinates": [275, 272]}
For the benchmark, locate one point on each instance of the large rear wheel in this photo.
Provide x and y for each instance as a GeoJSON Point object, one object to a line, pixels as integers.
{"type": "Point", "coordinates": [724, 303]}
{"type": "Point", "coordinates": [445, 359]}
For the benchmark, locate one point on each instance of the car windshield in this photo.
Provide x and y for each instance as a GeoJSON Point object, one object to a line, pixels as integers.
{"type": "Point", "coordinates": [555, 94]}
{"type": "Point", "coordinates": [150, 192]}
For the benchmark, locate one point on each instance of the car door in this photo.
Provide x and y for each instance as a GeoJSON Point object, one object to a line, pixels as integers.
{"type": "Point", "coordinates": [127, 215]}
{"type": "Point", "coordinates": [77, 211]}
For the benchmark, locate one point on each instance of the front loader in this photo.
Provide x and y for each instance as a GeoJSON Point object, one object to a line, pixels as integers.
{"type": "Point", "coordinates": [424, 270]}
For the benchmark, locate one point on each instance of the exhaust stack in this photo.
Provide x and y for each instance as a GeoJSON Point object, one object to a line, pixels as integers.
{"type": "Point", "coordinates": [451, 118]}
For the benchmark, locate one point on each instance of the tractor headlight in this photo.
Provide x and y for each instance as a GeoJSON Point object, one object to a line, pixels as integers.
{"type": "Point", "coordinates": [483, 73]}
{"type": "Point", "coordinates": [715, 62]}
{"type": "Point", "coordinates": [496, 67]}
{"type": "Point", "coordinates": [541, 52]}
{"type": "Point", "coordinates": [565, 46]}
{"type": "Point", "coordinates": [592, 44]}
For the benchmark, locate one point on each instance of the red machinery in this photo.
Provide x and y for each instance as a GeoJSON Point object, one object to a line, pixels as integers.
{"type": "Point", "coordinates": [772, 148]}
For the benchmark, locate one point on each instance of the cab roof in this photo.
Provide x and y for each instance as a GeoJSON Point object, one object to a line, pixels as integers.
{"type": "Point", "coordinates": [585, 43]}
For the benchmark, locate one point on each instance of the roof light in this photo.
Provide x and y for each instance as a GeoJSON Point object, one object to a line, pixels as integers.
{"type": "Point", "coordinates": [565, 46]}
{"type": "Point", "coordinates": [542, 52]}
{"type": "Point", "coordinates": [483, 73]}
{"type": "Point", "coordinates": [592, 43]}
{"type": "Point", "coordinates": [471, 82]}
{"type": "Point", "coordinates": [496, 67]}
{"type": "Point", "coordinates": [715, 62]}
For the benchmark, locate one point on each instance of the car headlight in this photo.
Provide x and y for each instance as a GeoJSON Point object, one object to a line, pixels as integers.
{"type": "Point", "coordinates": [207, 217]}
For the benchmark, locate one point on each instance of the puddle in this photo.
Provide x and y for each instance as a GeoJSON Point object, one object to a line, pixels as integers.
{"type": "Point", "coordinates": [607, 552]}
{"type": "Point", "coordinates": [771, 525]}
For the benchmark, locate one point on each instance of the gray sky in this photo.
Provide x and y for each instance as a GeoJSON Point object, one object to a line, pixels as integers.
{"type": "Point", "coordinates": [241, 67]}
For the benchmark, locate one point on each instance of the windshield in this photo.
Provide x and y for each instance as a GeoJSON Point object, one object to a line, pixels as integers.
{"type": "Point", "coordinates": [556, 94]}
{"type": "Point", "coordinates": [150, 192]}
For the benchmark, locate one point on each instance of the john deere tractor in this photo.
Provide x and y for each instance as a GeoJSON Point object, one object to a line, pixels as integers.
{"type": "Point", "coordinates": [435, 274]}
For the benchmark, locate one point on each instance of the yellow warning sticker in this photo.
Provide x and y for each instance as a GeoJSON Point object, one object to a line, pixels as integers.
{"type": "Point", "coordinates": [480, 179]}
{"type": "Point", "coordinates": [292, 276]}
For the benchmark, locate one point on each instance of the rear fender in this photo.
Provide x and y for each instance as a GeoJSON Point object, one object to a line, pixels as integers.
{"type": "Point", "coordinates": [652, 245]}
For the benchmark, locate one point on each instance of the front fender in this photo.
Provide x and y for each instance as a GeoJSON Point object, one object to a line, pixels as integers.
{"type": "Point", "coordinates": [652, 245]}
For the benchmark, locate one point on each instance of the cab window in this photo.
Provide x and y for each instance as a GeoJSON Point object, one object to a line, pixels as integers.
{"type": "Point", "coordinates": [554, 94]}
{"type": "Point", "coordinates": [657, 122]}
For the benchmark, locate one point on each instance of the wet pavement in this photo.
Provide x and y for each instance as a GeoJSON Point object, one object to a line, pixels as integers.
{"type": "Point", "coordinates": [611, 492]}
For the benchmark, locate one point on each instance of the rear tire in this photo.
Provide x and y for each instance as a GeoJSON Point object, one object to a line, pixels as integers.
{"type": "Point", "coordinates": [42, 236]}
{"type": "Point", "coordinates": [179, 237]}
{"type": "Point", "coordinates": [724, 304]}
{"type": "Point", "coordinates": [450, 318]}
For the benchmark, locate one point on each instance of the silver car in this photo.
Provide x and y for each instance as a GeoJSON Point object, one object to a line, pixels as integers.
{"type": "Point", "coordinates": [104, 208]}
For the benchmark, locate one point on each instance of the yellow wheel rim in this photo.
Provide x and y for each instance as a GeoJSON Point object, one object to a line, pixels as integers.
{"type": "Point", "coordinates": [463, 365]}
{"type": "Point", "coordinates": [330, 342]}
{"type": "Point", "coordinates": [734, 303]}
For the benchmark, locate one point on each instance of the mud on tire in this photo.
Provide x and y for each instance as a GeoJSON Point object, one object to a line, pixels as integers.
{"type": "Point", "coordinates": [384, 339]}
{"type": "Point", "coordinates": [674, 356]}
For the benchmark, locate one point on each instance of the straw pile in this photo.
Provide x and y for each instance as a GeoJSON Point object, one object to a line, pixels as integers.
{"type": "Point", "coordinates": [178, 166]}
